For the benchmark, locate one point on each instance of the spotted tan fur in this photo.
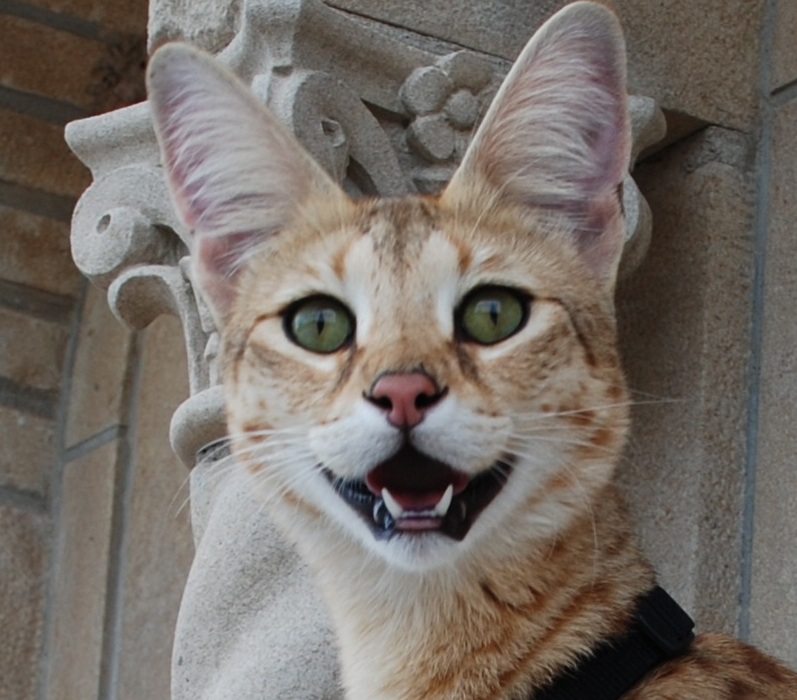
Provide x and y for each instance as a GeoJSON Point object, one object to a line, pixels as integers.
{"type": "Point", "coordinates": [550, 568]}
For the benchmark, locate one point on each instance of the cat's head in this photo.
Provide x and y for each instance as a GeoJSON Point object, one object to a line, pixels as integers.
{"type": "Point", "coordinates": [416, 375]}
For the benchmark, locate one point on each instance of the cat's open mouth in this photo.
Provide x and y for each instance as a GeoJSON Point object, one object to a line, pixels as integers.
{"type": "Point", "coordinates": [412, 493]}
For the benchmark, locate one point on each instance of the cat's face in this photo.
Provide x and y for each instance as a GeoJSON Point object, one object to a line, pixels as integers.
{"type": "Point", "coordinates": [420, 375]}
{"type": "Point", "coordinates": [417, 375]}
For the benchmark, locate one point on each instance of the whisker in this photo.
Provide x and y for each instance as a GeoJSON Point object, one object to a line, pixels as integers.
{"type": "Point", "coordinates": [656, 398]}
{"type": "Point", "coordinates": [527, 441]}
{"type": "Point", "coordinates": [585, 410]}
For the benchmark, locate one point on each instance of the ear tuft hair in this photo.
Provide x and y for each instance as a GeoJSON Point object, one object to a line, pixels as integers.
{"type": "Point", "coordinates": [557, 136]}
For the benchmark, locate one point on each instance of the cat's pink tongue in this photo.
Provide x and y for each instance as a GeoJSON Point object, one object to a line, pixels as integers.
{"type": "Point", "coordinates": [417, 501]}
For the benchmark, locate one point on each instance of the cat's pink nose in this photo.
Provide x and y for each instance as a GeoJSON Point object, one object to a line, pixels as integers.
{"type": "Point", "coordinates": [405, 397]}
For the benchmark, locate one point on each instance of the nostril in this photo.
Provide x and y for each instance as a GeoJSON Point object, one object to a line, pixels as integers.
{"type": "Point", "coordinates": [381, 401]}
{"type": "Point", "coordinates": [405, 397]}
{"type": "Point", "coordinates": [429, 400]}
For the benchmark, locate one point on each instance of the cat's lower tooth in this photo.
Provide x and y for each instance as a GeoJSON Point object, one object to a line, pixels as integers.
{"type": "Point", "coordinates": [445, 502]}
{"type": "Point", "coordinates": [392, 505]}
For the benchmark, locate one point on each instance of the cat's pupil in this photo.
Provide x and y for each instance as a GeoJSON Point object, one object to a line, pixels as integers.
{"type": "Point", "coordinates": [494, 311]}
{"type": "Point", "coordinates": [319, 324]}
{"type": "Point", "coordinates": [491, 314]}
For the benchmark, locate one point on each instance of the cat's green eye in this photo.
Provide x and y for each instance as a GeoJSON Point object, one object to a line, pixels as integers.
{"type": "Point", "coordinates": [491, 314]}
{"type": "Point", "coordinates": [319, 324]}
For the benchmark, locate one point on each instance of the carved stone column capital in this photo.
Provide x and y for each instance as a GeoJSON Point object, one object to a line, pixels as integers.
{"type": "Point", "coordinates": [384, 117]}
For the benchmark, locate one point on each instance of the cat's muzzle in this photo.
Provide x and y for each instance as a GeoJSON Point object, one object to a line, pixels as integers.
{"type": "Point", "coordinates": [413, 494]}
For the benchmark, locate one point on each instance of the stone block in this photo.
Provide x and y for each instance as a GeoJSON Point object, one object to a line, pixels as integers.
{"type": "Point", "coordinates": [678, 49]}
{"type": "Point", "coordinates": [102, 372]}
{"type": "Point", "coordinates": [34, 154]}
{"type": "Point", "coordinates": [494, 27]}
{"type": "Point", "coordinates": [31, 350]}
{"type": "Point", "coordinates": [773, 604]}
{"type": "Point", "coordinates": [260, 630]}
{"type": "Point", "coordinates": [784, 57]}
{"type": "Point", "coordinates": [159, 546]}
{"type": "Point", "coordinates": [697, 57]}
{"type": "Point", "coordinates": [128, 17]}
{"type": "Point", "coordinates": [81, 578]}
{"type": "Point", "coordinates": [42, 60]}
{"type": "Point", "coordinates": [27, 451]}
{"type": "Point", "coordinates": [204, 23]}
{"type": "Point", "coordinates": [685, 334]}
{"type": "Point", "coordinates": [23, 585]}
{"type": "Point", "coordinates": [36, 253]}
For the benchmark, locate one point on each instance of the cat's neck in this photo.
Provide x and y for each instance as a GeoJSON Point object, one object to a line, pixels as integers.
{"type": "Point", "coordinates": [407, 636]}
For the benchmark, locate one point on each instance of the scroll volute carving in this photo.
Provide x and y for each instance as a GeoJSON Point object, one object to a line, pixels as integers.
{"type": "Point", "coordinates": [383, 117]}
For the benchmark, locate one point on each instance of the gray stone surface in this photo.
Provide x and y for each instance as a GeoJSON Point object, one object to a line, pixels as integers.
{"type": "Point", "coordinates": [23, 566]}
{"type": "Point", "coordinates": [685, 333]}
{"type": "Point", "coordinates": [101, 372]}
{"type": "Point", "coordinates": [27, 451]}
{"type": "Point", "coordinates": [204, 23]}
{"type": "Point", "coordinates": [462, 109]}
{"type": "Point", "coordinates": [425, 90]}
{"type": "Point", "coordinates": [36, 253]}
{"type": "Point", "coordinates": [158, 546]}
{"type": "Point", "coordinates": [32, 350]}
{"type": "Point", "coordinates": [678, 49]}
{"type": "Point", "coordinates": [774, 560]}
{"type": "Point", "coordinates": [260, 630]}
{"type": "Point", "coordinates": [80, 590]}
{"type": "Point", "coordinates": [494, 27]}
{"type": "Point", "coordinates": [432, 137]}
{"type": "Point", "coordinates": [784, 57]}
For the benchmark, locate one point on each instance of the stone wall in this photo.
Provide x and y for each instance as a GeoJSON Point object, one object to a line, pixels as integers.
{"type": "Point", "coordinates": [95, 543]}
{"type": "Point", "coordinates": [708, 322]}
{"type": "Point", "coordinates": [85, 527]}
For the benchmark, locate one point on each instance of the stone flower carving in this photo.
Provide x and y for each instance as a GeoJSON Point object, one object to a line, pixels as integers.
{"type": "Point", "coordinates": [445, 101]}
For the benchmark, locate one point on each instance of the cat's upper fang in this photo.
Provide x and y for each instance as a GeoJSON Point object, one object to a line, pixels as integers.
{"type": "Point", "coordinates": [441, 509]}
{"type": "Point", "coordinates": [392, 505]}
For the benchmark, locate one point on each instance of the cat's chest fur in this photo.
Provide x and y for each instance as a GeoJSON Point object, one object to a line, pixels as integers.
{"type": "Point", "coordinates": [426, 393]}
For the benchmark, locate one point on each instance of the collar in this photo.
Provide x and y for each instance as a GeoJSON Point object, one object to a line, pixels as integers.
{"type": "Point", "coordinates": [659, 631]}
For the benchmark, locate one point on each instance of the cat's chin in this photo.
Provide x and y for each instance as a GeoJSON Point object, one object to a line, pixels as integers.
{"type": "Point", "coordinates": [414, 497]}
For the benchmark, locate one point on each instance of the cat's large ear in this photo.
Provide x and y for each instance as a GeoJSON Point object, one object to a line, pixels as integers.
{"type": "Point", "coordinates": [236, 175]}
{"type": "Point", "coordinates": [557, 136]}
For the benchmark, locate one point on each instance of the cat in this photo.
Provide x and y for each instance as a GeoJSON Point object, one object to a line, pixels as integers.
{"type": "Point", "coordinates": [427, 391]}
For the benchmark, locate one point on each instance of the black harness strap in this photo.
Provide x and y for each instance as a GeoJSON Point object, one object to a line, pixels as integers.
{"type": "Point", "coordinates": [660, 631]}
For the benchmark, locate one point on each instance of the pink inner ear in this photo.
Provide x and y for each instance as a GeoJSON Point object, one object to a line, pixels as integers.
{"type": "Point", "coordinates": [225, 255]}
{"type": "Point", "coordinates": [600, 241]}
{"type": "Point", "coordinates": [216, 262]}
{"type": "Point", "coordinates": [610, 144]}
{"type": "Point", "coordinates": [202, 191]}
{"type": "Point", "coordinates": [561, 135]}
